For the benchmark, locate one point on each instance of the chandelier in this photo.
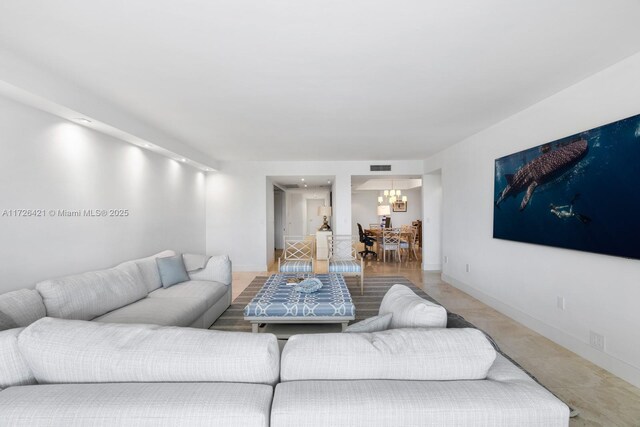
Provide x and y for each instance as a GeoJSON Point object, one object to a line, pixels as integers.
{"type": "Point", "coordinates": [393, 196]}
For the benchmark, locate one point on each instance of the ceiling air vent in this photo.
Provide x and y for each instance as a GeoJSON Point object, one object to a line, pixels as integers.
{"type": "Point", "coordinates": [380, 168]}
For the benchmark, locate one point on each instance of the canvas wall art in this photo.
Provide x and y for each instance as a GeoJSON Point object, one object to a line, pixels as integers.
{"type": "Point", "coordinates": [581, 192]}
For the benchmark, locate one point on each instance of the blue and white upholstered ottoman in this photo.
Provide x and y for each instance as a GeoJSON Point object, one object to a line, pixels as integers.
{"type": "Point", "coordinates": [278, 302]}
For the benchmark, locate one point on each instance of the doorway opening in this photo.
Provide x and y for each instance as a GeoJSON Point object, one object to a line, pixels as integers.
{"type": "Point", "coordinates": [296, 203]}
{"type": "Point", "coordinates": [391, 202]}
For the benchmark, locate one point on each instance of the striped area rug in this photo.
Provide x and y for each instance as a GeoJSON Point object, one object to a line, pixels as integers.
{"type": "Point", "coordinates": [367, 305]}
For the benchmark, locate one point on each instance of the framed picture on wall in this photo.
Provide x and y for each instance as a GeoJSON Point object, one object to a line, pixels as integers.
{"type": "Point", "coordinates": [400, 207]}
{"type": "Point", "coordinates": [578, 192]}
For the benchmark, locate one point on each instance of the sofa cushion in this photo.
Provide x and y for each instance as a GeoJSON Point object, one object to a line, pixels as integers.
{"type": "Point", "coordinates": [138, 404]}
{"type": "Point", "coordinates": [13, 368]}
{"type": "Point", "coordinates": [158, 311]}
{"type": "Point", "coordinates": [6, 322]}
{"type": "Point", "coordinates": [411, 311]}
{"type": "Point", "coordinates": [211, 292]}
{"type": "Point", "coordinates": [172, 270]}
{"type": "Point", "coordinates": [23, 306]}
{"type": "Point", "coordinates": [398, 354]}
{"type": "Point", "coordinates": [372, 324]}
{"type": "Point", "coordinates": [149, 269]}
{"type": "Point", "coordinates": [89, 295]}
{"type": "Point", "coordinates": [195, 262]}
{"type": "Point", "coordinates": [383, 403]}
{"type": "Point", "coordinates": [218, 269]}
{"type": "Point", "coordinates": [345, 266]}
{"type": "Point", "coordinates": [72, 351]}
{"type": "Point", "coordinates": [296, 266]}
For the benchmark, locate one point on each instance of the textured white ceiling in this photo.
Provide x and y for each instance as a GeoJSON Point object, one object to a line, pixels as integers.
{"type": "Point", "coordinates": [321, 80]}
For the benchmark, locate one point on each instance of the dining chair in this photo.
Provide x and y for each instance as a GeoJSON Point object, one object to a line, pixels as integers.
{"type": "Point", "coordinates": [407, 235]}
{"type": "Point", "coordinates": [415, 244]}
{"type": "Point", "coordinates": [390, 242]}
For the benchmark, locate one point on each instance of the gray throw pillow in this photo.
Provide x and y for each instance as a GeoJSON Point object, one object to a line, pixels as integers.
{"type": "Point", "coordinates": [172, 270]}
{"type": "Point", "coordinates": [372, 324]}
{"type": "Point", "coordinates": [6, 322]}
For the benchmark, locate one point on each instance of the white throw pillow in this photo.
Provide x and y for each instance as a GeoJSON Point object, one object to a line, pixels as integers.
{"type": "Point", "coordinates": [372, 324]}
{"type": "Point", "coordinates": [411, 311]}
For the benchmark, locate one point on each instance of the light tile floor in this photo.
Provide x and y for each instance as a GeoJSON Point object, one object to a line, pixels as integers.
{"type": "Point", "coordinates": [602, 398]}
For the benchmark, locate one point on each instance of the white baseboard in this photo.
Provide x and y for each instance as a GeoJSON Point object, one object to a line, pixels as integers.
{"type": "Point", "coordinates": [431, 267]}
{"type": "Point", "coordinates": [606, 361]}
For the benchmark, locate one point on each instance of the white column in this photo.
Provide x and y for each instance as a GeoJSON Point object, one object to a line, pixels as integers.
{"type": "Point", "coordinates": [342, 204]}
{"type": "Point", "coordinates": [431, 222]}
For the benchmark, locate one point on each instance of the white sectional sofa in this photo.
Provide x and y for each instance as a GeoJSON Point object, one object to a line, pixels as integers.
{"type": "Point", "coordinates": [131, 292]}
{"type": "Point", "coordinates": [407, 377]}
{"type": "Point", "coordinates": [78, 373]}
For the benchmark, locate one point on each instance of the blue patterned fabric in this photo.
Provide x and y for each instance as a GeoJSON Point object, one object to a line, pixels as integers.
{"type": "Point", "coordinates": [296, 267]}
{"type": "Point", "coordinates": [308, 285]}
{"type": "Point", "coordinates": [278, 299]}
{"type": "Point", "coordinates": [345, 267]}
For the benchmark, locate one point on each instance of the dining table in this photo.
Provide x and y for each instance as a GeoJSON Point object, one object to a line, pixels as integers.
{"type": "Point", "coordinates": [376, 233]}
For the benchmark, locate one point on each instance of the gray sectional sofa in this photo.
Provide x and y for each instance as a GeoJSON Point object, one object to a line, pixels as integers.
{"type": "Point", "coordinates": [131, 292]}
{"type": "Point", "coordinates": [78, 373]}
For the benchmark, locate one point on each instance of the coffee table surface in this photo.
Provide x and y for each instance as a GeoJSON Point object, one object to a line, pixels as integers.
{"type": "Point", "coordinates": [277, 302]}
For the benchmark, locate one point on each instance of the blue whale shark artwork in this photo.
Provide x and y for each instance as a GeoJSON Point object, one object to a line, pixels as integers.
{"type": "Point", "coordinates": [579, 192]}
{"type": "Point", "coordinates": [542, 169]}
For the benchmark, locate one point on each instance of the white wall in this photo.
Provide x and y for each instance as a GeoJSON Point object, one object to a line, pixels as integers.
{"type": "Point", "coordinates": [279, 204]}
{"type": "Point", "coordinates": [296, 208]}
{"type": "Point", "coordinates": [236, 200]}
{"type": "Point", "coordinates": [432, 222]}
{"type": "Point", "coordinates": [364, 207]}
{"type": "Point", "coordinates": [296, 214]}
{"type": "Point", "coordinates": [522, 280]}
{"type": "Point", "coordinates": [49, 163]}
{"type": "Point", "coordinates": [271, 221]}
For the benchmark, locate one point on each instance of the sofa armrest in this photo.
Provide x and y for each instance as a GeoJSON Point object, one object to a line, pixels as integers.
{"type": "Point", "coordinates": [218, 269]}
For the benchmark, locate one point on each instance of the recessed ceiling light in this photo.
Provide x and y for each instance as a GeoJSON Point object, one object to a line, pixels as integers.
{"type": "Point", "coordinates": [305, 186]}
{"type": "Point", "coordinates": [302, 179]}
{"type": "Point", "coordinates": [82, 120]}
{"type": "Point", "coordinates": [183, 159]}
{"type": "Point", "coordinates": [148, 145]}
{"type": "Point", "coordinates": [328, 182]}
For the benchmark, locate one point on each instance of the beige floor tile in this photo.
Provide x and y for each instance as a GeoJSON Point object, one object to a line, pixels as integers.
{"type": "Point", "coordinates": [242, 279]}
{"type": "Point", "coordinates": [570, 371]}
{"type": "Point", "coordinates": [532, 346]}
{"type": "Point", "coordinates": [606, 406]}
